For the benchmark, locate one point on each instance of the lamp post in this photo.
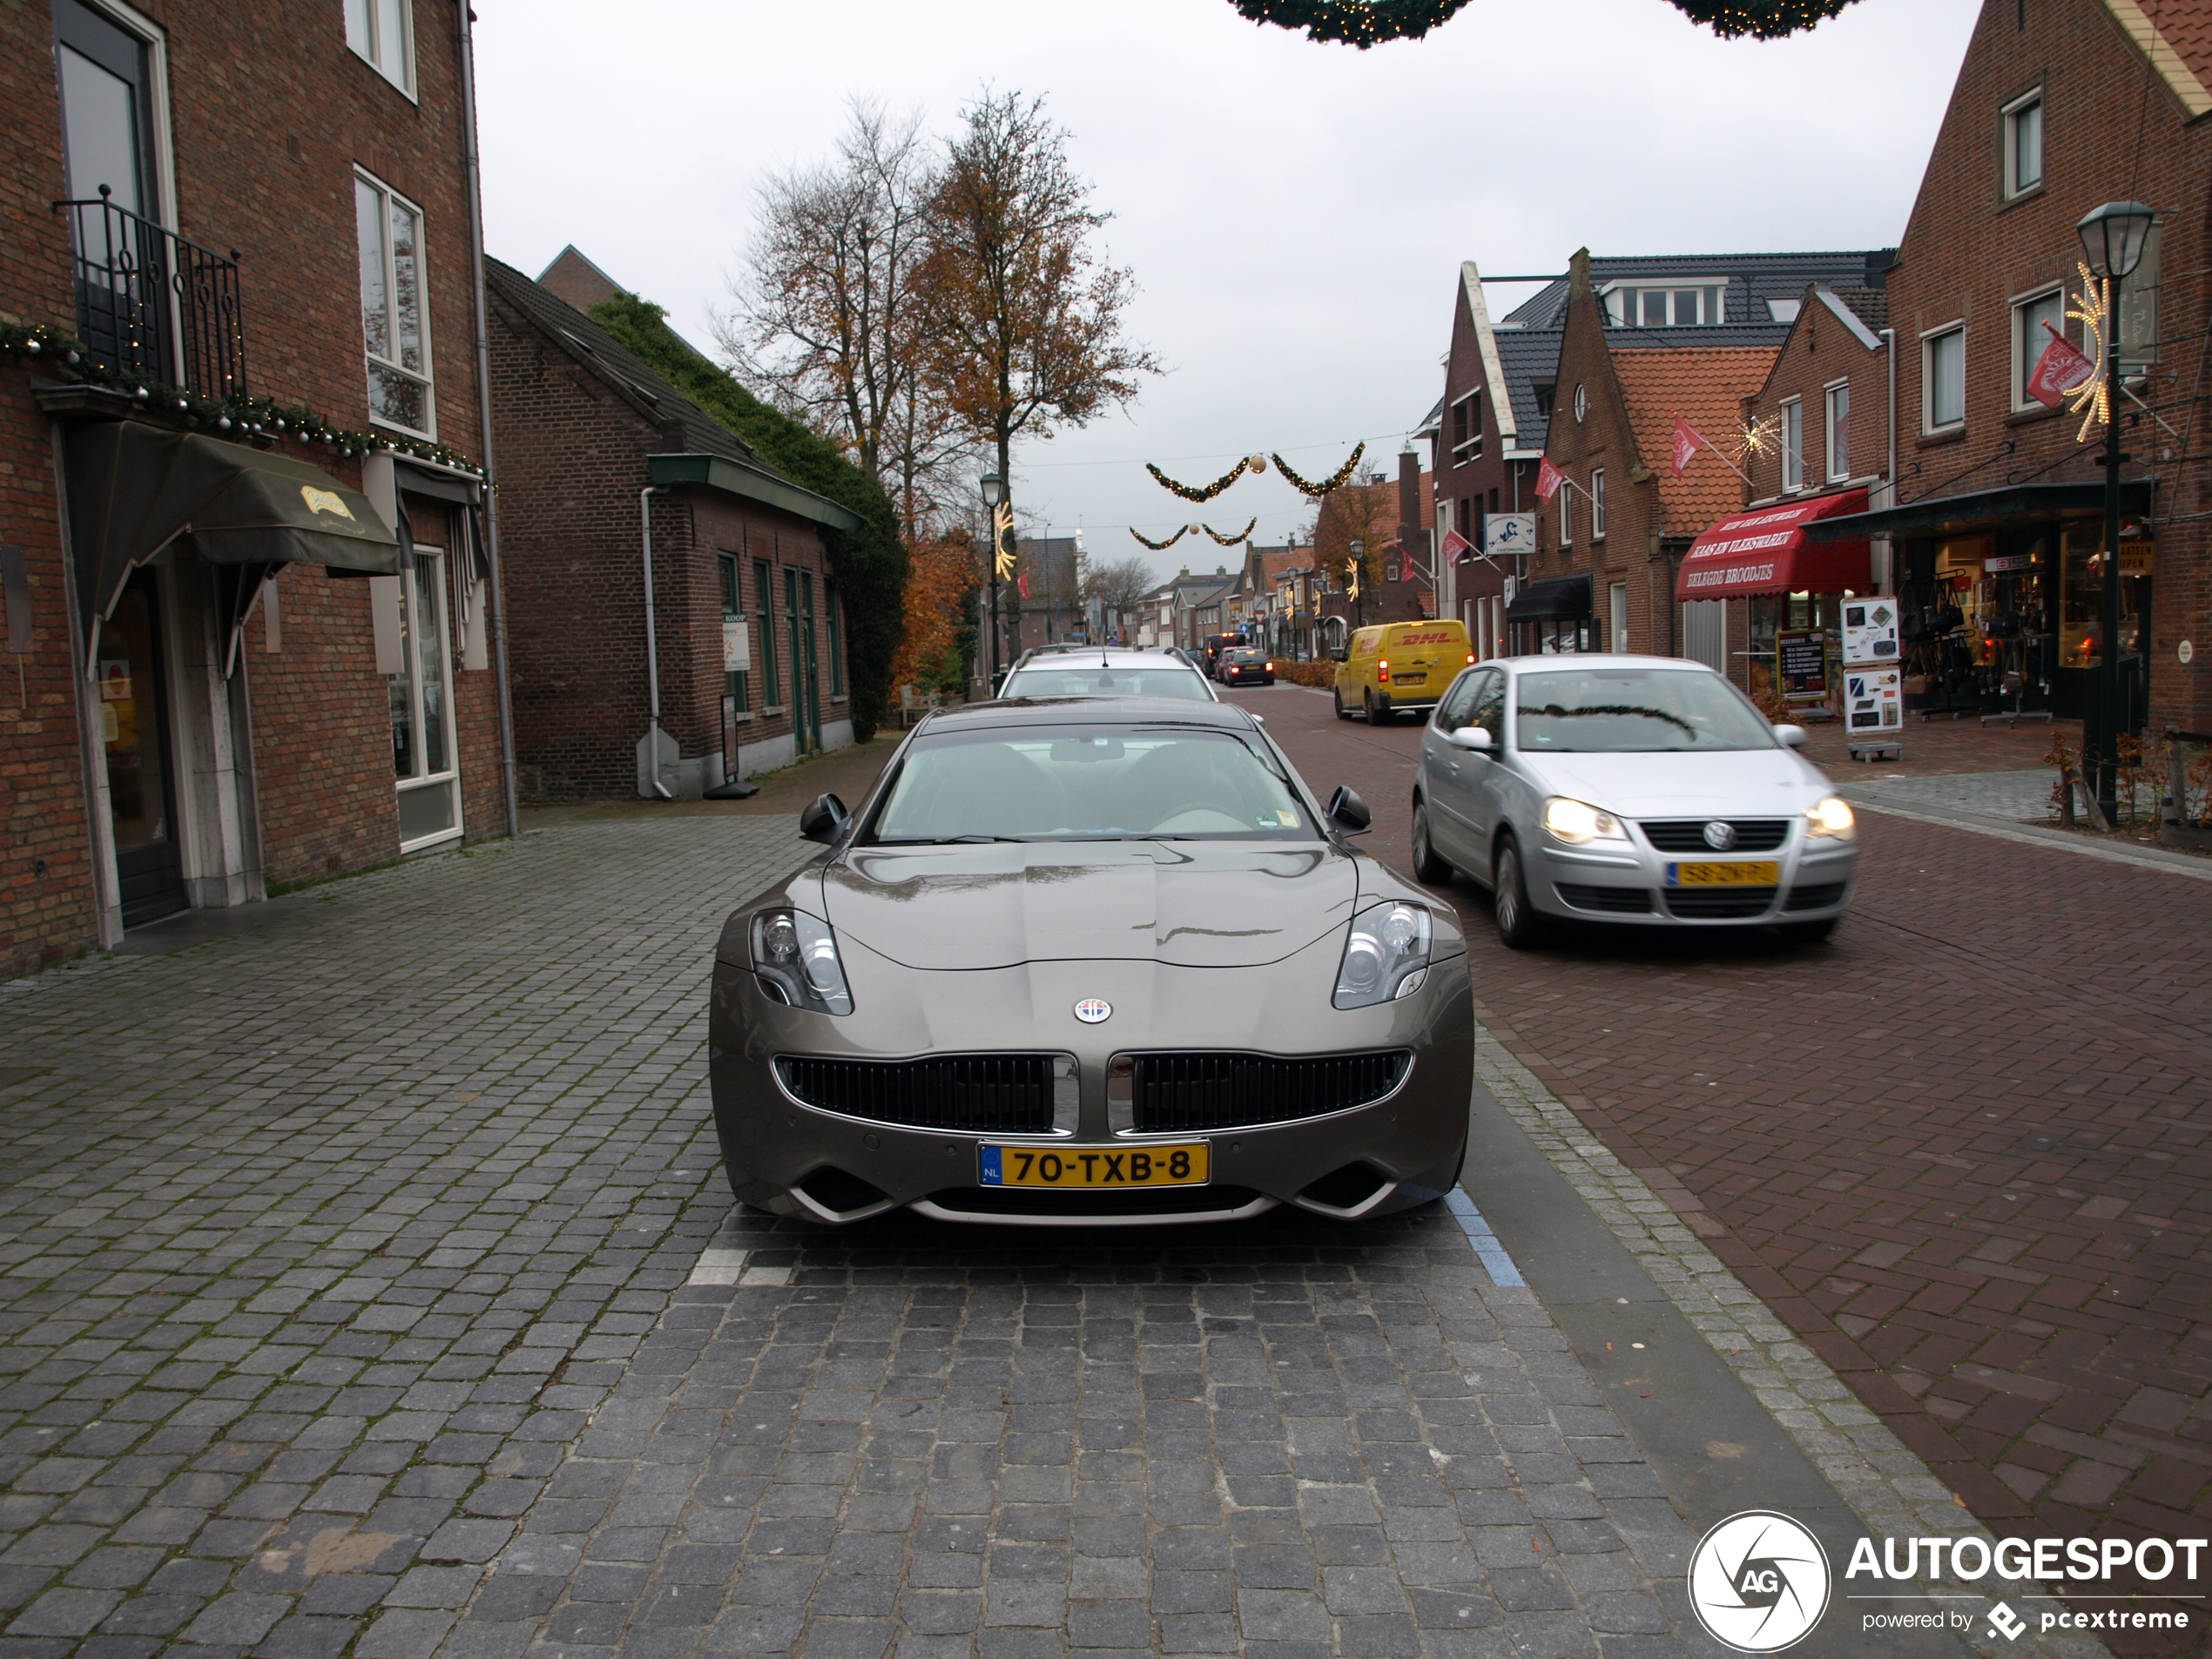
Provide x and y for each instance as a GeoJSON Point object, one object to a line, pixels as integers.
{"type": "Point", "coordinates": [993, 493]}
{"type": "Point", "coordinates": [2113, 238]}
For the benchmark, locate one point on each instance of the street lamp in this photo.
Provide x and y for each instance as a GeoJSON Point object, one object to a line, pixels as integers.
{"type": "Point", "coordinates": [2113, 238]}
{"type": "Point", "coordinates": [993, 493]}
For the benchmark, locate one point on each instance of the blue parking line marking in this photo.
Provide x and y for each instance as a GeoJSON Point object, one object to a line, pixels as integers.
{"type": "Point", "coordinates": [992, 1173]}
{"type": "Point", "coordinates": [1488, 1249]}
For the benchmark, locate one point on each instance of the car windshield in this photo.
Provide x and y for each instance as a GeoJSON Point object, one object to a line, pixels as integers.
{"type": "Point", "coordinates": [1078, 679]}
{"type": "Point", "coordinates": [1633, 710]}
{"type": "Point", "coordinates": [1089, 784]}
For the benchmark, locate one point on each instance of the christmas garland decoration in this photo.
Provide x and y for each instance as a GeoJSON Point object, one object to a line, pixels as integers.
{"type": "Point", "coordinates": [1159, 547]}
{"type": "Point", "coordinates": [236, 417]}
{"type": "Point", "coordinates": [1365, 23]}
{"type": "Point", "coordinates": [1250, 464]}
{"type": "Point", "coordinates": [1336, 481]}
{"type": "Point", "coordinates": [1244, 534]}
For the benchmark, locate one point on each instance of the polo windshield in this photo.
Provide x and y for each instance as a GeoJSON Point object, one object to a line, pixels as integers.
{"type": "Point", "coordinates": [1089, 784]}
{"type": "Point", "coordinates": [1073, 679]}
{"type": "Point", "coordinates": [1633, 710]}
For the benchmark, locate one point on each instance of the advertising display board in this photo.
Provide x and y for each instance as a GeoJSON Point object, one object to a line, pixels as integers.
{"type": "Point", "coordinates": [1873, 700]}
{"type": "Point", "coordinates": [1801, 664]}
{"type": "Point", "coordinates": [1870, 630]}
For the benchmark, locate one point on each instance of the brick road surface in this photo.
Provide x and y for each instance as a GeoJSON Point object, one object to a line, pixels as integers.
{"type": "Point", "coordinates": [343, 1281]}
{"type": "Point", "coordinates": [1960, 1149]}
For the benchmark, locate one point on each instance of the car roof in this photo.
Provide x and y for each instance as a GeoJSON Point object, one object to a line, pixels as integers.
{"type": "Point", "coordinates": [1601, 659]}
{"type": "Point", "coordinates": [1110, 653]}
{"type": "Point", "coordinates": [1090, 711]}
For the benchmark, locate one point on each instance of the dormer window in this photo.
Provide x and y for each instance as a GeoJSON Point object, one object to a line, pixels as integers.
{"type": "Point", "coordinates": [1673, 304]}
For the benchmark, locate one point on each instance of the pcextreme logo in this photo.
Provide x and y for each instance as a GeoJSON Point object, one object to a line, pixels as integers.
{"type": "Point", "coordinates": [1758, 1581]}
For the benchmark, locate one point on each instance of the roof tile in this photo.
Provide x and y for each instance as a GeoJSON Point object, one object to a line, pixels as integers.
{"type": "Point", "coordinates": [1706, 388]}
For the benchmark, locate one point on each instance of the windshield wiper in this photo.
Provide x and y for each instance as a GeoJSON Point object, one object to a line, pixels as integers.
{"type": "Point", "coordinates": [944, 840]}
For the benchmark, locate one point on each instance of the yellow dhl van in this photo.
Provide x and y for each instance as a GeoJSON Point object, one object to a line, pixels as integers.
{"type": "Point", "coordinates": [1400, 665]}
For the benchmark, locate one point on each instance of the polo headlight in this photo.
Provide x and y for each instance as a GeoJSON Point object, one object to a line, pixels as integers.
{"type": "Point", "coordinates": [1831, 820]}
{"type": "Point", "coordinates": [795, 957]}
{"type": "Point", "coordinates": [1578, 823]}
{"type": "Point", "coordinates": [1386, 956]}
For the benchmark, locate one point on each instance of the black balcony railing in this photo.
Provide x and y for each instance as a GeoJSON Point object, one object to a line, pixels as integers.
{"type": "Point", "coordinates": [151, 303]}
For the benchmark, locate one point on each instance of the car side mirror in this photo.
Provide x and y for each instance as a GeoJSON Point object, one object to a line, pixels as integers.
{"type": "Point", "coordinates": [1348, 812]}
{"type": "Point", "coordinates": [1790, 737]}
{"type": "Point", "coordinates": [1337, 656]}
{"type": "Point", "coordinates": [1471, 737]}
{"type": "Point", "coordinates": [822, 820]}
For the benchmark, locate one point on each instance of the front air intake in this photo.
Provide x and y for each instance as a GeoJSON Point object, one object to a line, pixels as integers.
{"type": "Point", "coordinates": [1174, 1094]}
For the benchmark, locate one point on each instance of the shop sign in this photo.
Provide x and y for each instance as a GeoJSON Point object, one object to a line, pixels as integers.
{"type": "Point", "coordinates": [1873, 699]}
{"type": "Point", "coordinates": [1801, 664]}
{"type": "Point", "coordinates": [737, 646]}
{"type": "Point", "coordinates": [1504, 532]}
{"type": "Point", "coordinates": [2011, 563]}
{"type": "Point", "coordinates": [1870, 630]}
{"type": "Point", "coordinates": [2135, 557]}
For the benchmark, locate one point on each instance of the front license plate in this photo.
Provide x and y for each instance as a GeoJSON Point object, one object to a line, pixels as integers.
{"type": "Point", "coordinates": [1148, 1166]}
{"type": "Point", "coordinates": [1765, 873]}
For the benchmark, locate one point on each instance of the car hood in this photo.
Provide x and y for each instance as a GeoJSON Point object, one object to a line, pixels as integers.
{"type": "Point", "coordinates": [1740, 782]}
{"type": "Point", "coordinates": [1191, 904]}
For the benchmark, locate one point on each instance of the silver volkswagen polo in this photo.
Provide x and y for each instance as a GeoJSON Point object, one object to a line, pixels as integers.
{"type": "Point", "coordinates": [1090, 961]}
{"type": "Point", "coordinates": [1639, 790]}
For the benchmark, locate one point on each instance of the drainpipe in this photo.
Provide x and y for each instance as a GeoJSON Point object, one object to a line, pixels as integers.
{"type": "Point", "coordinates": [1889, 350]}
{"type": "Point", "coordinates": [498, 617]}
{"type": "Point", "coordinates": [652, 641]}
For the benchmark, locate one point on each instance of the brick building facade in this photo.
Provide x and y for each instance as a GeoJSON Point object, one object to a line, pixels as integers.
{"type": "Point", "coordinates": [2061, 105]}
{"type": "Point", "coordinates": [205, 708]}
{"type": "Point", "coordinates": [583, 428]}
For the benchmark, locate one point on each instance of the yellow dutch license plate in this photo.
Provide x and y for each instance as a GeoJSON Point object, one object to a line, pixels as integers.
{"type": "Point", "coordinates": [1095, 1166]}
{"type": "Point", "coordinates": [1764, 874]}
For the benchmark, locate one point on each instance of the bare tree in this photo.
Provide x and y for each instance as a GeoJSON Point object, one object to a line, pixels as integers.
{"type": "Point", "coordinates": [828, 320]}
{"type": "Point", "coordinates": [1118, 585]}
{"type": "Point", "coordinates": [1024, 324]}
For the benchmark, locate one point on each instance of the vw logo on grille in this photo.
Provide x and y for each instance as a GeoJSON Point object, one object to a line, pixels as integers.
{"type": "Point", "coordinates": [1092, 1010]}
{"type": "Point", "coordinates": [1720, 836]}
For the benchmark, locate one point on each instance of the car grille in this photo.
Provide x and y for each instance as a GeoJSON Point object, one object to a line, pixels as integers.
{"type": "Point", "coordinates": [1171, 1093]}
{"type": "Point", "coordinates": [1815, 897]}
{"type": "Point", "coordinates": [1687, 834]}
{"type": "Point", "coordinates": [1711, 904]}
{"type": "Point", "coordinates": [1164, 1202]}
{"type": "Point", "coordinates": [999, 1094]}
{"type": "Point", "coordinates": [1618, 902]}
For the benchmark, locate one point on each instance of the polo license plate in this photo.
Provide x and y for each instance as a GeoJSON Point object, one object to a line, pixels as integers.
{"type": "Point", "coordinates": [1186, 1165]}
{"type": "Point", "coordinates": [1763, 873]}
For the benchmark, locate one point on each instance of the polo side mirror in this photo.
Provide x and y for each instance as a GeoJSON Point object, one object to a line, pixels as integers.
{"type": "Point", "coordinates": [1348, 812]}
{"type": "Point", "coordinates": [1790, 737]}
{"type": "Point", "coordinates": [1471, 737]}
{"type": "Point", "coordinates": [824, 819]}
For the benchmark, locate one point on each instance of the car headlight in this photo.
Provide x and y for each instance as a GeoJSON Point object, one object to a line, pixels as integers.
{"type": "Point", "coordinates": [795, 956]}
{"type": "Point", "coordinates": [1832, 819]}
{"type": "Point", "coordinates": [1386, 956]}
{"type": "Point", "coordinates": [1578, 823]}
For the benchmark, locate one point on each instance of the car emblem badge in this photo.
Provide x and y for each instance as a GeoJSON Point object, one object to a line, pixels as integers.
{"type": "Point", "coordinates": [1719, 836]}
{"type": "Point", "coordinates": [1092, 1010]}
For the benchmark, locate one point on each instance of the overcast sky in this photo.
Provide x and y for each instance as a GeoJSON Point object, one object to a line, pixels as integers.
{"type": "Point", "coordinates": [1295, 213]}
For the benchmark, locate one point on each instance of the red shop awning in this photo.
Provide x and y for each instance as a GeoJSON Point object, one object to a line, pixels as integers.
{"type": "Point", "coordinates": [1765, 551]}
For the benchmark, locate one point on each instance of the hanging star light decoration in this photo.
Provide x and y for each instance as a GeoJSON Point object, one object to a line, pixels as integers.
{"type": "Point", "coordinates": [1758, 437]}
{"type": "Point", "coordinates": [2091, 398]}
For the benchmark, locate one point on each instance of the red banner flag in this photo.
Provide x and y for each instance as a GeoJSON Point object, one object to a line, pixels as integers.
{"type": "Point", "coordinates": [1024, 584]}
{"type": "Point", "coordinates": [1456, 546]}
{"type": "Point", "coordinates": [1548, 479]}
{"type": "Point", "coordinates": [1687, 443]}
{"type": "Point", "coordinates": [2060, 368]}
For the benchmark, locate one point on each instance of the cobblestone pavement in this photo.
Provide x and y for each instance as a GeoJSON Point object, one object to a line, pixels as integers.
{"type": "Point", "coordinates": [344, 1278]}
{"type": "Point", "coordinates": [1960, 1150]}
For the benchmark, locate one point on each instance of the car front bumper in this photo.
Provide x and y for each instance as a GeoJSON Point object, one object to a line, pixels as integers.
{"type": "Point", "coordinates": [776, 1148]}
{"type": "Point", "coordinates": [1594, 883]}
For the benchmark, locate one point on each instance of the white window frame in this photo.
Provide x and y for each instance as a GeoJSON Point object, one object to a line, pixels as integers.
{"type": "Point", "coordinates": [1597, 503]}
{"type": "Point", "coordinates": [1929, 340]}
{"type": "Point", "coordinates": [1793, 445]}
{"type": "Point", "coordinates": [1831, 428]}
{"type": "Point", "coordinates": [1616, 297]}
{"type": "Point", "coordinates": [1469, 447]}
{"type": "Point", "coordinates": [2023, 362]}
{"type": "Point", "coordinates": [2012, 113]}
{"type": "Point", "coordinates": [364, 31]}
{"type": "Point", "coordinates": [1565, 496]}
{"type": "Point", "coordinates": [428, 375]}
{"type": "Point", "coordinates": [413, 634]}
{"type": "Point", "coordinates": [1617, 616]}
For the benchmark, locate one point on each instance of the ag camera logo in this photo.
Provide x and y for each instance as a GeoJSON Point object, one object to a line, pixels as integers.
{"type": "Point", "coordinates": [1759, 1581]}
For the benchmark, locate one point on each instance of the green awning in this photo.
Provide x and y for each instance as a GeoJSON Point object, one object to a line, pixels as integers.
{"type": "Point", "coordinates": [754, 483]}
{"type": "Point", "coordinates": [134, 488]}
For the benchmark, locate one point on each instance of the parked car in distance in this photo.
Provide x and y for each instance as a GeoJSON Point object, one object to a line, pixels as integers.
{"type": "Point", "coordinates": [1105, 671]}
{"type": "Point", "coordinates": [950, 1010]}
{"type": "Point", "coordinates": [1399, 666]}
{"type": "Point", "coordinates": [1642, 790]}
{"type": "Point", "coordinates": [1244, 665]}
{"type": "Point", "coordinates": [1211, 645]}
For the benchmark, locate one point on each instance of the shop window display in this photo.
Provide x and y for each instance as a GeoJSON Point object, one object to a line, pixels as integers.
{"type": "Point", "coordinates": [2082, 615]}
{"type": "Point", "coordinates": [1978, 621]}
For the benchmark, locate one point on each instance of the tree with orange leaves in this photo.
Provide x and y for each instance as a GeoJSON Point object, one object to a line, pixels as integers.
{"type": "Point", "coordinates": [940, 636]}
